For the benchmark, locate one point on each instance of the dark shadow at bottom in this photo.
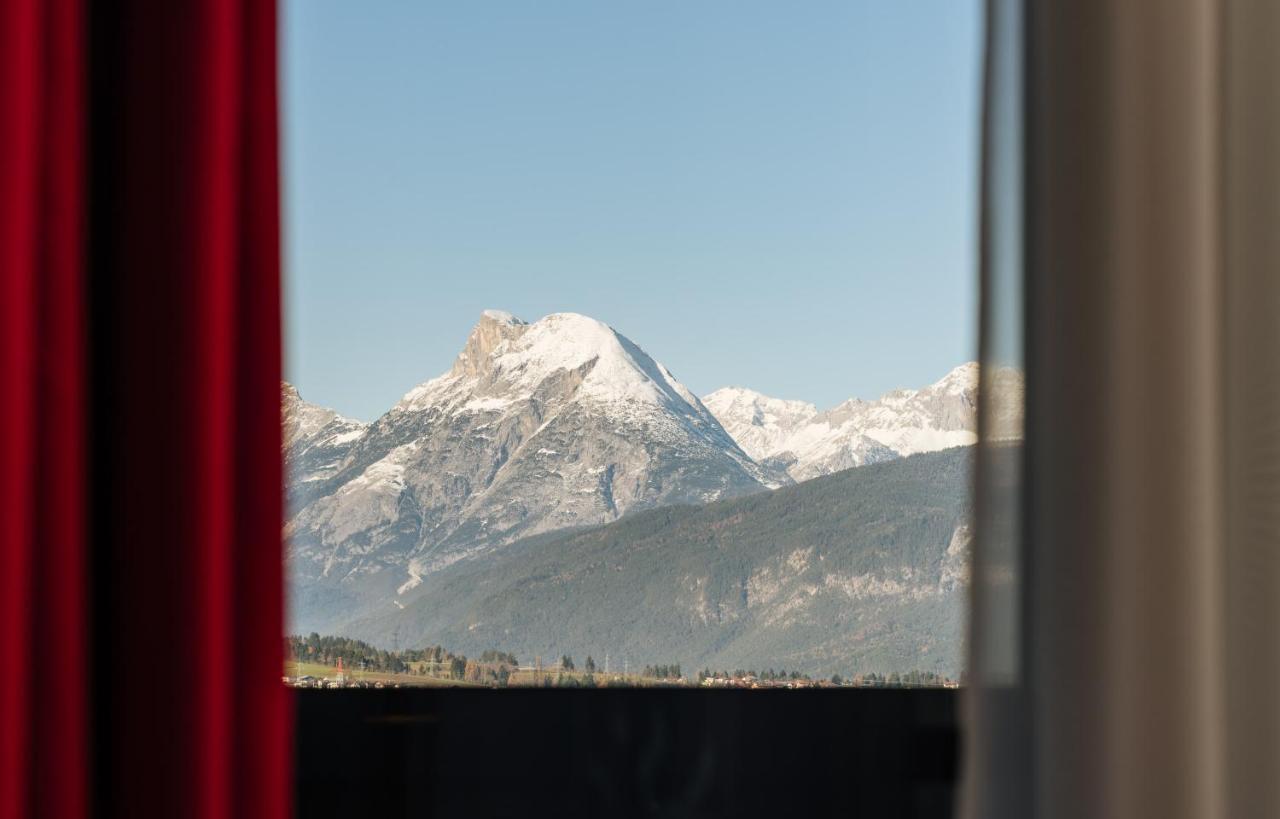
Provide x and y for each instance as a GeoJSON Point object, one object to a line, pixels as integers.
{"type": "Point", "coordinates": [621, 753]}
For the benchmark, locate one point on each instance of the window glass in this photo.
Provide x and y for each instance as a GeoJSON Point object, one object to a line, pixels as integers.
{"type": "Point", "coordinates": [632, 344]}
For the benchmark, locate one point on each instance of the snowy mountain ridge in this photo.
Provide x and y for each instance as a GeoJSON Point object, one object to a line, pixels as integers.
{"type": "Point", "coordinates": [506, 360]}
{"type": "Point", "coordinates": [316, 437]}
{"type": "Point", "coordinates": [807, 443]}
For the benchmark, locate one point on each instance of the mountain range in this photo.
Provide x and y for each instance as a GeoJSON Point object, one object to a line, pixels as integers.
{"type": "Point", "coordinates": [795, 437]}
{"type": "Point", "coordinates": [557, 425]}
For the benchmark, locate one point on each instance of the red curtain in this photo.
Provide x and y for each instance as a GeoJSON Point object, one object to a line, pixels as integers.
{"type": "Point", "coordinates": [141, 591]}
{"type": "Point", "coordinates": [43, 742]}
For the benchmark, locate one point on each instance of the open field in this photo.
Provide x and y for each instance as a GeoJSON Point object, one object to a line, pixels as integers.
{"type": "Point", "coordinates": [302, 669]}
{"type": "Point", "coordinates": [524, 677]}
{"type": "Point", "coordinates": [531, 677]}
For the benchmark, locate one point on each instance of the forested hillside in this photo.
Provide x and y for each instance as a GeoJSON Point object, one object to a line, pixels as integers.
{"type": "Point", "coordinates": [861, 571]}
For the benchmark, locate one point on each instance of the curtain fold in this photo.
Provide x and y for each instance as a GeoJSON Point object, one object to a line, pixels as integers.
{"type": "Point", "coordinates": [187, 313]}
{"type": "Point", "coordinates": [141, 589]}
{"type": "Point", "coordinates": [43, 690]}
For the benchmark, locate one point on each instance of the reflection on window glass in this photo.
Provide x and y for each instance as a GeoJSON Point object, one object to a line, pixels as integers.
{"type": "Point", "coordinates": [997, 610]}
{"type": "Point", "coordinates": [631, 345]}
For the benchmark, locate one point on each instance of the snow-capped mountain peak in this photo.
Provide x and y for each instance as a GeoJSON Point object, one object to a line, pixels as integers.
{"type": "Point", "coordinates": [306, 420]}
{"type": "Point", "coordinates": [961, 380]}
{"type": "Point", "coordinates": [767, 410]}
{"type": "Point", "coordinates": [508, 359]}
{"type": "Point", "coordinates": [316, 438]}
{"type": "Point", "coordinates": [809, 443]}
{"type": "Point", "coordinates": [501, 316]}
{"type": "Point", "coordinates": [537, 426]}
{"type": "Point", "coordinates": [758, 423]}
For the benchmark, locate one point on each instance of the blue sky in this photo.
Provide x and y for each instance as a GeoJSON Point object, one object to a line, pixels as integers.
{"type": "Point", "coordinates": [778, 195]}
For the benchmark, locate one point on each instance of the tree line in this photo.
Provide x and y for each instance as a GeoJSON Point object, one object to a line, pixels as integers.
{"type": "Point", "coordinates": [494, 667]}
{"type": "Point", "coordinates": [433, 661]}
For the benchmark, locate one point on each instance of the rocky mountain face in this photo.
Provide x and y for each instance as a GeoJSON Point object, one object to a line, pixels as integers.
{"type": "Point", "coordinates": [316, 442]}
{"type": "Point", "coordinates": [863, 570]}
{"type": "Point", "coordinates": [537, 427]}
{"type": "Point", "coordinates": [796, 437]}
